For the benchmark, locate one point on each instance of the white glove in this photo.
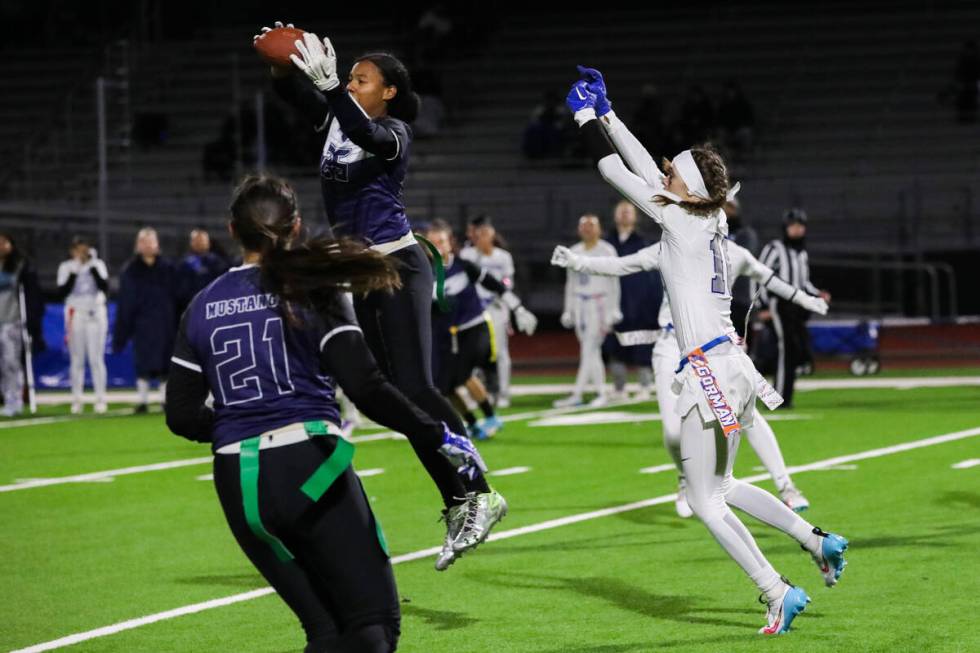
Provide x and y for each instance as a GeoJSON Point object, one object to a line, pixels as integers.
{"type": "Point", "coordinates": [565, 258]}
{"type": "Point", "coordinates": [276, 25]}
{"type": "Point", "coordinates": [566, 320]}
{"type": "Point", "coordinates": [318, 62]}
{"type": "Point", "coordinates": [526, 321]}
{"type": "Point", "coordinates": [74, 266]}
{"type": "Point", "coordinates": [813, 304]}
{"type": "Point", "coordinates": [510, 300]}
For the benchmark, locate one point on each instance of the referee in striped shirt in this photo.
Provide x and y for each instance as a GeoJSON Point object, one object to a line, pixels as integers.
{"type": "Point", "coordinates": [788, 258]}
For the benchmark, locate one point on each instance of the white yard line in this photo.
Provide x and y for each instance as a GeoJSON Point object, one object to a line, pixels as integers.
{"type": "Point", "coordinates": [656, 469]}
{"type": "Point", "coordinates": [509, 471]}
{"type": "Point", "coordinates": [111, 473]}
{"type": "Point", "coordinates": [967, 464]}
{"type": "Point", "coordinates": [500, 535]}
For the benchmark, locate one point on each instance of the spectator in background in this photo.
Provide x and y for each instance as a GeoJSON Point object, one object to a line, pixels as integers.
{"type": "Point", "coordinates": [736, 117]}
{"type": "Point", "coordinates": [639, 302]}
{"type": "Point", "coordinates": [967, 82]}
{"type": "Point", "coordinates": [743, 288]}
{"type": "Point", "coordinates": [697, 122]}
{"type": "Point", "coordinates": [649, 121]}
{"type": "Point", "coordinates": [19, 300]}
{"type": "Point", "coordinates": [82, 284]}
{"type": "Point", "coordinates": [432, 112]}
{"type": "Point", "coordinates": [200, 267]}
{"type": "Point", "coordinates": [147, 313]}
{"type": "Point", "coordinates": [545, 135]}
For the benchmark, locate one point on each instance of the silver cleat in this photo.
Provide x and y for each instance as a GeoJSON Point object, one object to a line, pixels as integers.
{"type": "Point", "coordinates": [454, 518]}
{"type": "Point", "coordinates": [483, 512]}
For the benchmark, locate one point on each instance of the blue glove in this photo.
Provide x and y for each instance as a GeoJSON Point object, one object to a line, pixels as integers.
{"type": "Point", "coordinates": [596, 86]}
{"type": "Point", "coordinates": [580, 98]}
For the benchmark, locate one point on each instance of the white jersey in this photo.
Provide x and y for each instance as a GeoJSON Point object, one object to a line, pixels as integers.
{"type": "Point", "coordinates": [85, 294]}
{"type": "Point", "coordinates": [581, 286]}
{"type": "Point", "coordinates": [742, 264]}
{"type": "Point", "coordinates": [694, 258]}
{"type": "Point", "coordinates": [498, 262]}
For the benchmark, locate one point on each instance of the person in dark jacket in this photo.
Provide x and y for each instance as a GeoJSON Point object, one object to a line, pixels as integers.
{"type": "Point", "coordinates": [639, 302]}
{"type": "Point", "coordinates": [19, 299]}
{"type": "Point", "coordinates": [147, 313]}
{"type": "Point", "coordinates": [200, 267]}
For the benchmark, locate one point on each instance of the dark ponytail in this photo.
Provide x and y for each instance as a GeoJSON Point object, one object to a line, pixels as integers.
{"type": "Point", "coordinates": [307, 272]}
{"type": "Point", "coordinates": [406, 103]}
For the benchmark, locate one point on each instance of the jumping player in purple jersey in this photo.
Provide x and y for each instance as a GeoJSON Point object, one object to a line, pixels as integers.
{"type": "Point", "coordinates": [272, 351]}
{"type": "Point", "coordinates": [367, 144]}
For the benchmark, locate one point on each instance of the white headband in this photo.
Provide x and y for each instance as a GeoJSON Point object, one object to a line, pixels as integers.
{"type": "Point", "coordinates": [685, 166]}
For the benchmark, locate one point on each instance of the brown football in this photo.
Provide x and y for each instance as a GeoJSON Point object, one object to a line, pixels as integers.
{"type": "Point", "coordinates": [276, 45]}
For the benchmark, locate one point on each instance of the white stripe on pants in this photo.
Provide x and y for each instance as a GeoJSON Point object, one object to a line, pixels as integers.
{"type": "Point", "coordinates": [501, 322]}
{"type": "Point", "coordinates": [86, 341]}
{"type": "Point", "coordinates": [11, 365]}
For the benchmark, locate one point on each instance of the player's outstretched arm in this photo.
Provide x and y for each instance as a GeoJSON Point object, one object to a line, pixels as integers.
{"type": "Point", "coordinates": [637, 158]}
{"type": "Point", "coordinates": [646, 259]}
{"type": "Point", "coordinates": [318, 62]}
{"type": "Point", "coordinates": [771, 282]}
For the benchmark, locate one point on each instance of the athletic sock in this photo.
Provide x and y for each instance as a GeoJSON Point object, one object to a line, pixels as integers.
{"type": "Point", "coordinates": [143, 390]}
{"type": "Point", "coordinates": [769, 583]}
{"type": "Point", "coordinates": [813, 542]}
{"type": "Point", "coordinates": [486, 407]}
{"type": "Point", "coordinates": [470, 418]}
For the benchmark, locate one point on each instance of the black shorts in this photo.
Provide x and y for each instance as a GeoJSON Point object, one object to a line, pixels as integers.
{"type": "Point", "coordinates": [472, 350]}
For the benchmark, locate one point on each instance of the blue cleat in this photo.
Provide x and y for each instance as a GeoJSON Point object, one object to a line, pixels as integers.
{"type": "Point", "coordinates": [476, 432]}
{"type": "Point", "coordinates": [490, 426]}
{"type": "Point", "coordinates": [781, 613]}
{"type": "Point", "coordinates": [830, 561]}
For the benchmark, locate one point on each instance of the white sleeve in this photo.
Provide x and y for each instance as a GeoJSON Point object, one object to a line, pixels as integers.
{"type": "Point", "coordinates": [647, 258]}
{"type": "Point", "coordinates": [100, 267]}
{"type": "Point", "coordinates": [63, 273]}
{"type": "Point", "coordinates": [632, 151]}
{"type": "Point", "coordinates": [567, 308]}
{"type": "Point", "coordinates": [630, 186]}
{"type": "Point", "coordinates": [509, 271]}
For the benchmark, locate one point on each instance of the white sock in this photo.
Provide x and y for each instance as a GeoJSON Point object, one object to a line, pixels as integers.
{"type": "Point", "coordinates": [769, 583]}
{"type": "Point", "coordinates": [163, 392]}
{"type": "Point", "coordinates": [763, 441]}
{"type": "Point", "coordinates": [143, 390]}
{"type": "Point", "coordinates": [768, 509]}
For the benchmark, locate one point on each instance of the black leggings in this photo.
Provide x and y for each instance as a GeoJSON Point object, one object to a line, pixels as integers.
{"type": "Point", "coordinates": [398, 328]}
{"type": "Point", "coordinates": [340, 584]}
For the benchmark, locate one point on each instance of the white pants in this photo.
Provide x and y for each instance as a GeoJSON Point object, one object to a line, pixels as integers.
{"type": "Point", "coordinates": [591, 326]}
{"type": "Point", "coordinates": [666, 356]}
{"type": "Point", "coordinates": [86, 329]}
{"type": "Point", "coordinates": [707, 457]}
{"type": "Point", "coordinates": [11, 365]}
{"type": "Point", "coordinates": [500, 315]}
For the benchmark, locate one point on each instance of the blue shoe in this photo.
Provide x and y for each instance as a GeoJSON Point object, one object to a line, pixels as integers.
{"type": "Point", "coordinates": [476, 432]}
{"type": "Point", "coordinates": [490, 426]}
{"type": "Point", "coordinates": [781, 613]}
{"type": "Point", "coordinates": [831, 559]}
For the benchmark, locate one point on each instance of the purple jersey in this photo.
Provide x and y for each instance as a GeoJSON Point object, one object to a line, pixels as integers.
{"type": "Point", "coordinates": [263, 371]}
{"type": "Point", "coordinates": [362, 192]}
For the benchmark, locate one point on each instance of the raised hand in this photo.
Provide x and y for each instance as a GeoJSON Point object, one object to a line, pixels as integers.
{"type": "Point", "coordinates": [579, 97]}
{"type": "Point", "coordinates": [597, 86]}
{"type": "Point", "coordinates": [318, 61]}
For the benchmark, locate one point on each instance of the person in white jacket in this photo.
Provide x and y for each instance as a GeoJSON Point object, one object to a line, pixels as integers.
{"type": "Point", "coordinates": [666, 353]}
{"type": "Point", "coordinates": [715, 380]}
{"type": "Point", "coordinates": [82, 283]}
{"type": "Point", "coordinates": [591, 308]}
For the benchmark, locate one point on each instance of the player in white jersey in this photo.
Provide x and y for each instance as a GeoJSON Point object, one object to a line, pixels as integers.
{"type": "Point", "coordinates": [591, 308]}
{"type": "Point", "coordinates": [667, 352]}
{"type": "Point", "coordinates": [498, 262]}
{"type": "Point", "coordinates": [715, 381]}
{"type": "Point", "coordinates": [82, 283]}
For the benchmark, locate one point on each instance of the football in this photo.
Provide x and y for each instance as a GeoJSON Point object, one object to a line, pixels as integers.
{"type": "Point", "coordinates": [276, 45]}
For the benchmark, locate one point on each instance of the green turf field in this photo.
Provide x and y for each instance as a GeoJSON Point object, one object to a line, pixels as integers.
{"type": "Point", "coordinates": [83, 555]}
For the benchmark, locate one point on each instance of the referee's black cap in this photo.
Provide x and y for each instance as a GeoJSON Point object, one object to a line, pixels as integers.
{"type": "Point", "coordinates": [482, 220]}
{"type": "Point", "coordinates": [794, 215]}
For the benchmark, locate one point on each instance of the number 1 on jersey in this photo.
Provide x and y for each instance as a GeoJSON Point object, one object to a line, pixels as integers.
{"type": "Point", "coordinates": [719, 281]}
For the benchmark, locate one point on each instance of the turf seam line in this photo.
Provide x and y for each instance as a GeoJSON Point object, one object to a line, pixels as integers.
{"type": "Point", "coordinates": [502, 535]}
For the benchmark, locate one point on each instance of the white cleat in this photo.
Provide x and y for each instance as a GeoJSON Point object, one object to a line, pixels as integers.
{"type": "Point", "coordinates": [454, 523]}
{"type": "Point", "coordinates": [599, 402]}
{"type": "Point", "coordinates": [781, 613]}
{"type": "Point", "coordinates": [568, 402]}
{"type": "Point", "coordinates": [643, 394]}
{"type": "Point", "coordinates": [101, 408]}
{"type": "Point", "coordinates": [681, 505]}
{"type": "Point", "coordinates": [503, 402]}
{"type": "Point", "coordinates": [76, 408]}
{"type": "Point", "coordinates": [794, 499]}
